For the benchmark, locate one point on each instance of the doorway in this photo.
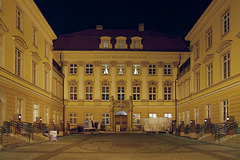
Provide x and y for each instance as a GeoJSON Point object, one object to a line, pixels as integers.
{"type": "Point", "coordinates": [121, 119]}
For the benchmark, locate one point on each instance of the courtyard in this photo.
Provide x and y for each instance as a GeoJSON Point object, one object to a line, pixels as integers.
{"type": "Point", "coordinates": [122, 146]}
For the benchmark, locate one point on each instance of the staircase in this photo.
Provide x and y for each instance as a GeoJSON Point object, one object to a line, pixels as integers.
{"type": "Point", "coordinates": [39, 138]}
{"type": "Point", "coordinates": [11, 142]}
{"type": "Point", "coordinates": [234, 141]}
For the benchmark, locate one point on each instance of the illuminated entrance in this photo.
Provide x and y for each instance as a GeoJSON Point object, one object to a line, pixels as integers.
{"type": "Point", "coordinates": [121, 114]}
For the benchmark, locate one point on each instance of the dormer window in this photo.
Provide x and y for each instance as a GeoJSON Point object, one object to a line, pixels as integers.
{"type": "Point", "coordinates": [136, 43]}
{"type": "Point", "coordinates": [105, 69]}
{"type": "Point", "coordinates": [136, 69]}
{"type": "Point", "coordinates": [121, 43]}
{"type": "Point", "coordinates": [105, 43]}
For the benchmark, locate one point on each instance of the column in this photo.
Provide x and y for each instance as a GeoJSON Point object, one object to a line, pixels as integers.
{"type": "Point", "coordinates": [113, 73]}
{"type": "Point", "coordinates": [129, 79]}
{"type": "Point", "coordinates": [97, 75]}
{"type": "Point", "coordinates": [160, 79]}
{"type": "Point", "coordinates": [81, 83]}
{"type": "Point", "coordinates": [144, 73]}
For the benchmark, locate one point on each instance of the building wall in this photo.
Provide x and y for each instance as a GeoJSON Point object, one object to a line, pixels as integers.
{"type": "Point", "coordinates": [222, 88]}
{"type": "Point", "coordinates": [31, 89]}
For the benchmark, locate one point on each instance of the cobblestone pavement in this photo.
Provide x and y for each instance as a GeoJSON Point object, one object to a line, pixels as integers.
{"type": "Point", "coordinates": [122, 147]}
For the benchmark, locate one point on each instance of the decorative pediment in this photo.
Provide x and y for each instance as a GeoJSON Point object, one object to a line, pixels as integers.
{"type": "Point", "coordinates": [136, 82]}
{"type": "Point", "coordinates": [121, 83]}
{"type": "Point", "coordinates": [47, 65]}
{"type": "Point", "coordinates": [20, 41]}
{"type": "Point", "coordinates": [224, 45]}
{"type": "Point", "coordinates": [73, 82]}
{"type": "Point", "coordinates": [89, 82]}
{"type": "Point", "coordinates": [36, 56]}
{"type": "Point", "coordinates": [105, 82]}
{"type": "Point", "coordinates": [196, 66]}
{"type": "Point", "coordinates": [152, 83]}
{"type": "Point", "coordinates": [3, 27]}
{"type": "Point", "coordinates": [208, 58]}
{"type": "Point", "coordinates": [168, 83]}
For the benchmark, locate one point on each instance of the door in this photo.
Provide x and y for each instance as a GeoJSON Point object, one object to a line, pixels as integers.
{"type": "Point", "coordinates": [122, 121]}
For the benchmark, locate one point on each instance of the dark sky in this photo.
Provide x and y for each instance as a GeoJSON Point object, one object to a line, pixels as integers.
{"type": "Point", "coordinates": [175, 17]}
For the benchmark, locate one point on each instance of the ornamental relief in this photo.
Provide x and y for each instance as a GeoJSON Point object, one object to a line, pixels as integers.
{"type": "Point", "coordinates": [72, 82]}
{"type": "Point", "coordinates": [137, 82]}
{"type": "Point", "coordinates": [121, 83]}
{"type": "Point", "coordinates": [89, 82]}
{"type": "Point", "coordinates": [105, 82]}
{"type": "Point", "coordinates": [152, 83]}
{"type": "Point", "coordinates": [168, 83]}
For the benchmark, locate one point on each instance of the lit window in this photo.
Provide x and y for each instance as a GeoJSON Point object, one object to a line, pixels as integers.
{"type": "Point", "coordinates": [152, 115]}
{"type": "Point", "coordinates": [208, 111]}
{"type": "Point", "coordinates": [47, 111]}
{"type": "Point", "coordinates": [167, 93]}
{"type": "Point", "coordinates": [35, 37]}
{"type": "Point", "coordinates": [89, 69]}
{"type": "Point", "coordinates": [35, 112]}
{"type": "Point", "coordinates": [225, 19]}
{"type": "Point", "coordinates": [136, 44]}
{"type": "Point", "coordinates": [18, 62]}
{"type": "Point", "coordinates": [105, 44]}
{"type": "Point", "coordinates": [121, 91]}
{"type": "Point", "coordinates": [89, 93]}
{"type": "Point", "coordinates": [121, 69]}
{"type": "Point", "coordinates": [121, 44]}
{"type": "Point", "coordinates": [73, 69]}
{"type": "Point", "coordinates": [168, 115]}
{"type": "Point", "coordinates": [152, 93]}
{"type": "Point", "coordinates": [73, 118]}
{"type": "Point", "coordinates": [197, 81]}
{"type": "Point", "coordinates": [136, 118]}
{"type": "Point", "coordinates": [88, 116]}
{"type": "Point", "coordinates": [209, 75]}
{"type": "Point", "coordinates": [226, 65]}
{"type": "Point", "coordinates": [105, 69]}
{"type": "Point", "coordinates": [105, 93]}
{"type": "Point", "coordinates": [167, 69]}
{"type": "Point", "coordinates": [34, 72]}
{"type": "Point", "coordinates": [19, 106]}
{"type": "Point", "coordinates": [19, 20]}
{"type": "Point", "coordinates": [105, 119]}
{"type": "Point", "coordinates": [209, 38]}
{"type": "Point", "coordinates": [152, 69]}
{"type": "Point", "coordinates": [196, 115]}
{"type": "Point", "coordinates": [196, 51]}
{"type": "Point", "coordinates": [136, 93]}
{"type": "Point", "coordinates": [73, 93]}
{"type": "Point", "coordinates": [136, 69]}
{"type": "Point", "coordinates": [224, 110]}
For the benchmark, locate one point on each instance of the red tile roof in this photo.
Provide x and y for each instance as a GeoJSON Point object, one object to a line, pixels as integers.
{"type": "Point", "coordinates": [90, 40]}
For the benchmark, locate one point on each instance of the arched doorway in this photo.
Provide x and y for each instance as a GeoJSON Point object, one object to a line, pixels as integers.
{"type": "Point", "coordinates": [2, 106]}
{"type": "Point", "coordinates": [121, 119]}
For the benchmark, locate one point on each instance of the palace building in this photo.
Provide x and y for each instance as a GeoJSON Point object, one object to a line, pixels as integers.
{"type": "Point", "coordinates": [209, 81]}
{"type": "Point", "coordinates": [119, 76]}
{"type": "Point", "coordinates": [30, 79]}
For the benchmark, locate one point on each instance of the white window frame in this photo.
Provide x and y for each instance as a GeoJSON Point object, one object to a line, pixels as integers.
{"type": "Point", "coordinates": [120, 44]}
{"type": "Point", "coordinates": [210, 75]}
{"type": "Point", "coordinates": [121, 93]}
{"type": "Point", "coordinates": [73, 68]}
{"type": "Point", "coordinates": [136, 44]}
{"type": "Point", "coordinates": [89, 69]}
{"type": "Point", "coordinates": [152, 93]}
{"type": "Point", "coordinates": [136, 69]}
{"type": "Point", "coordinates": [73, 118]}
{"type": "Point", "coordinates": [105, 93]}
{"type": "Point", "coordinates": [226, 61]}
{"type": "Point", "coordinates": [105, 69]}
{"type": "Point", "coordinates": [167, 93]}
{"type": "Point", "coordinates": [225, 110]}
{"type": "Point", "coordinates": [105, 44]}
{"type": "Point", "coordinates": [18, 62]}
{"type": "Point", "coordinates": [136, 119]}
{"type": "Point", "coordinates": [105, 119]}
{"type": "Point", "coordinates": [209, 38]}
{"type": "Point", "coordinates": [136, 93]}
{"type": "Point", "coordinates": [88, 116]}
{"type": "Point", "coordinates": [167, 69]}
{"type": "Point", "coordinates": [226, 22]}
{"type": "Point", "coordinates": [121, 69]}
{"type": "Point", "coordinates": [35, 112]}
{"type": "Point", "coordinates": [89, 93]}
{"type": "Point", "coordinates": [152, 69]}
{"type": "Point", "coordinates": [73, 93]}
{"type": "Point", "coordinates": [152, 115]}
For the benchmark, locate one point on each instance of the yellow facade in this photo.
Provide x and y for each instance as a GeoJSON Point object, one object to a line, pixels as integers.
{"type": "Point", "coordinates": [210, 86]}
{"type": "Point", "coordinates": [29, 83]}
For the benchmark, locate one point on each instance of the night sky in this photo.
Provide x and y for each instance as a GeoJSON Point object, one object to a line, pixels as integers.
{"type": "Point", "coordinates": [175, 17]}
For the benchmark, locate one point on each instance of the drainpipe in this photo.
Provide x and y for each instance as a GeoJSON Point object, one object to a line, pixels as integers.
{"type": "Point", "coordinates": [63, 95]}
{"type": "Point", "coordinates": [176, 87]}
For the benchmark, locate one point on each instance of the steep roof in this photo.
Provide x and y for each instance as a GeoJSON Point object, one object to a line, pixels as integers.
{"type": "Point", "coordinates": [90, 40]}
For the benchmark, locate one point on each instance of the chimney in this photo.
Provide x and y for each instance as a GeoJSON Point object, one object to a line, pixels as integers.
{"type": "Point", "coordinates": [99, 27]}
{"type": "Point", "coordinates": [141, 27]}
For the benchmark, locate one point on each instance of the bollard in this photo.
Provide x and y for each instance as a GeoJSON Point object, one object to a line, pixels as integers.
{"type": "Point", "coordinates": [207, 125]}
{"type": "Point", "coordinates": [16, 126]}
{"type": "Point", "coordinates": [230, 125]}
{"type": "Point", "coordinates": [38, 124]}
